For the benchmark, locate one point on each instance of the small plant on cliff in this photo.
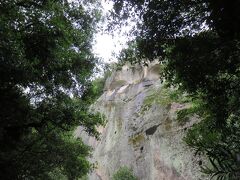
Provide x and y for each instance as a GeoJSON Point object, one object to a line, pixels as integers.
{"type": "Point", "coordinates": [124, 173]}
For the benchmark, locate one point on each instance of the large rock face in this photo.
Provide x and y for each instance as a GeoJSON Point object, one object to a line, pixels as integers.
{"type": "Point", "coordinates": [141, 131]}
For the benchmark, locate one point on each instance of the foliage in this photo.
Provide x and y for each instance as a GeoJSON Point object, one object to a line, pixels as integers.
{"type": "Point", "coordinates": [199, 43]}
{"type": "Point", "coordinates": [164, 96]}
{"type": "Point", "coordinates": [129, 54]}
{"type": "Point", "coordinates": [195, 108]}
{"type": "Point", "coordinates": [45, 56]}
{"type": "Point", "coordinates": [221, 147]}
{"type": "Point", "coordinates": [124, 174]}
{"type": "Point", "coordinates": [95, 88]}
{"type": "Point", "coordinates": [136, 139]}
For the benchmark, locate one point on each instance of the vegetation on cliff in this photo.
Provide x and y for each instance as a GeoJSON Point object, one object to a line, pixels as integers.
{"type": "Point", "coordinates": [198, 43]}
{"type": "Point", "coordinates": [124, 173]}
{"type": "Point", "coordinates": [47, 64]}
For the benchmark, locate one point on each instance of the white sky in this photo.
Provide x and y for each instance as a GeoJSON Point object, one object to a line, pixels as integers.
{"type": "Point", "coordinates": [106, 44]}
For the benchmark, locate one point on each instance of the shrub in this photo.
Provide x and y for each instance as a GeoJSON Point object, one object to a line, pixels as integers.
{"type": "Point", "coordinates": [124, 173]}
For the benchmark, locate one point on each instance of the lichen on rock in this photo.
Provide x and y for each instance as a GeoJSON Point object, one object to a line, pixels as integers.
{"type": "Point", "coordinates": [142, 132]}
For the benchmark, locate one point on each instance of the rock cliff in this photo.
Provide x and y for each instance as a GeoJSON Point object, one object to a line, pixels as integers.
{"type": "Point", "coordinates": [141, 131]}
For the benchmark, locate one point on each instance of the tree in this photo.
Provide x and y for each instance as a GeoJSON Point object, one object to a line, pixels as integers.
{"type": "Point", "coordinates": [198, 41]}
{"type": "Point", "coordinates": [45, 64]}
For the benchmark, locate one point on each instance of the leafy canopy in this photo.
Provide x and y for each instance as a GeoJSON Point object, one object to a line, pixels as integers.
{"type": "Point", "coordinates": [198, 42]}
{"type": "Point", "coordinates": [45, 56]}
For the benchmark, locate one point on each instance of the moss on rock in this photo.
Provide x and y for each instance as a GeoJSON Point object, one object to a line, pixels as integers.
{"type": "Point", "coordinates": [136, 140]}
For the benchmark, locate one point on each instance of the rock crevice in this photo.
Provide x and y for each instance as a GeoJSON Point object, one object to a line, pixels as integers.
{"type": "Point", "coordinates": [141, 132]}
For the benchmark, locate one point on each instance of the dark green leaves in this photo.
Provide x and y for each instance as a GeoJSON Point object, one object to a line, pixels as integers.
{"type": "Point", "coordinates": [45, 66]}
{"type": "Point", "coordinates": [198, 43]}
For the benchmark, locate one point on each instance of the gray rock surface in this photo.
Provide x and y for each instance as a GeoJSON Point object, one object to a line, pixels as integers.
{"type": "Point", "coordinates": [141, 131]}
